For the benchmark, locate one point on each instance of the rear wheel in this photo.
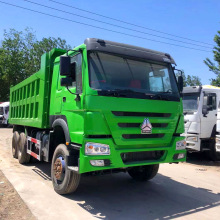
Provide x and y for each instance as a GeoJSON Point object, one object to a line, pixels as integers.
{"type": "Point", "coordinates": [143, 173]}
{"type": "Point", "coordinates": [23, 156]}
{"type": "Point", "coordinates": [15, 144]}
{"type": "Point", "coordinates": [64, 180]}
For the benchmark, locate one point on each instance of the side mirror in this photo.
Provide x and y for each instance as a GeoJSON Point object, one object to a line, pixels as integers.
{"type": "Point", "coordinates": [65, 66]}
{"type": "Point", "coordinates": [66, 81]}
{"type": "Point", "coordinates": [205, 110]}
{"type": "Point", "coordinates": [180, 83]}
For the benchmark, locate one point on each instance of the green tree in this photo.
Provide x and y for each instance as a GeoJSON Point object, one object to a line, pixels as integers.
{"type": "Point", "coordinates": [189, 80]}
{"type": "Point", "coordinates": [193, 81]}
{"type": "Point", "coordinates": [20, 54]}
{"type": "Point", "coordinates": [215, 66]}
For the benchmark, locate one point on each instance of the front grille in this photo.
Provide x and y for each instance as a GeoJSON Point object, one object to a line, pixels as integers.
{"type": "Point", "coordinates": [136, 136]}
{"type": "Point", "coordinates": [141, 114]}
{"type": "Point", "coordinates": [137, 125]}
{"type": "Point", "coordinates": [126, 128]}
{"type": "Point", "coordinates": [141, 156]}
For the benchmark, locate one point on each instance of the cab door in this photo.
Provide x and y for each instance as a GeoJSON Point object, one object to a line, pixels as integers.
{"type": "Point", "coordinates": [208, 121]}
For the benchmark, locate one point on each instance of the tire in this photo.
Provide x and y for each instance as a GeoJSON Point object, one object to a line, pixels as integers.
{"type": "Point", "coordinates": [213, 154]}
{"type": "Point", "coordinates": [143, 173]}
{"type": "Point", "coordinates": [15, 144]}
{"type": "Point", "coordinates": [23, 156]}
{"type": "Point", "coordinates": [64, 180]}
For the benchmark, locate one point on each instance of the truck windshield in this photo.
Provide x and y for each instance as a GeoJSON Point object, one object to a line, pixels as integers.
{"type": "Point", "coordinates": [1, 111]}
{"type": "Point", "coordinates": [190, 102]}
{"type": "Point", "coordinates": [124, 75]}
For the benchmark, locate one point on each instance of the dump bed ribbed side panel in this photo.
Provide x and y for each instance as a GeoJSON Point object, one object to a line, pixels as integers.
{"type": "Point", "coordinates": [30, 99]}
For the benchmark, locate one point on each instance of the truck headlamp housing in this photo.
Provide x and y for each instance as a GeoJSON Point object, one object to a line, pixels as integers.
{"type": "Point", "coordinates": [192, 138]}
{"type": "Point", "coordinates": [97, 149]}
{"type": "Point", "coordinates": [217, 140]}
{"type": "Point", "coordinates": [181, 145]}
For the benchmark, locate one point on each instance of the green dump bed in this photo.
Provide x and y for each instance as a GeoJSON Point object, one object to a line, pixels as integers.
{"type": "Point", "coordinates": [30, 99]}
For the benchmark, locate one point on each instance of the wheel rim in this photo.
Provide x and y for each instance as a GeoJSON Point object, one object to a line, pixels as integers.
{"type": "Point", "coordinates": [59, 169]}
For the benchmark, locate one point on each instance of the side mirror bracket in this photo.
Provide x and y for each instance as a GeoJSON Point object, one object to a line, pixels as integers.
{"type": "Point", "coordinates": [68, 69]}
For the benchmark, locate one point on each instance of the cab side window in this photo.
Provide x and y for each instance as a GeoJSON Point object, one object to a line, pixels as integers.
{"type": "Point", "coordinates": [211, 101]}
{"type": "Point", "coordinates": [76, 62]}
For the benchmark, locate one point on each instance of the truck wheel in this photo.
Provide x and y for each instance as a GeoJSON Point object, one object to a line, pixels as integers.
{"type": "Point", "coordinates": [64, 180]}
{"type": "Point", "coordinates": [213, 154]}
{"type": "Point", "coordinates": [23, 156]}
{"type": "Point", "coordinates": [15, 144]}
{"type": "Point", "coordinates": [143, 173]}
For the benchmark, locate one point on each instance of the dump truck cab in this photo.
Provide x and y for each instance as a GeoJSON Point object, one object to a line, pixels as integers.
{"type": "Point", "coordinates": [200, 104]}
{"type": "Point", "coordinates": [107, 107]}
{"type": "Point", "coordinates": [4, 113]}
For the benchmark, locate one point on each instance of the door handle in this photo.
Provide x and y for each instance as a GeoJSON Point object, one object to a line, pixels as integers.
{"type": "Point", "coordinates": [64, 99]}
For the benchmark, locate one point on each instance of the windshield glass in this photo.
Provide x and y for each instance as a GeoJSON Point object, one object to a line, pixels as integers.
{"type": "Point", "coordinates": [190, 102]}
{"type": "Point", "coordinates": [117, 73]}
{"type": "Point", "coordinates": [1, 111]}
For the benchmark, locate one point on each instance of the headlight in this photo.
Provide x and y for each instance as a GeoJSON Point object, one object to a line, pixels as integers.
{"type": "Point", "coordinates": [181, 145]}
{"type": "Point", "coordinates": [217, 140]}
{"type": "Point", "coordinates": [97, 149]}
{"type": "Point", "coordinates": [192, 138]}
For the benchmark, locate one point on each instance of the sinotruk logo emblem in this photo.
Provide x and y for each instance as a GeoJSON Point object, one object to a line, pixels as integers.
{"type": "Point", "coordinates": [146, 127]}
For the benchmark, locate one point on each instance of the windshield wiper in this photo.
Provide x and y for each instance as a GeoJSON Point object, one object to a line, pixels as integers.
{"type": "Point", "coordinates": [122, 92]}
{"type": "Point", "coordinates": [125, 92]}
{"type": "Point", "coordinates": [160, 95]}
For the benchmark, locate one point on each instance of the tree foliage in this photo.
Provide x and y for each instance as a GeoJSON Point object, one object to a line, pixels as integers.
{"type": "Point", "coordinates": [189, 80]}
{"type": "Point", "coordinates": [215, 66]}
{"type": "Point", "coordinates": [20, 54]}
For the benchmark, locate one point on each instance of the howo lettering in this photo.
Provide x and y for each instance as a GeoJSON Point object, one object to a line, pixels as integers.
{"type": "Point", "coordinates": [84, 108]}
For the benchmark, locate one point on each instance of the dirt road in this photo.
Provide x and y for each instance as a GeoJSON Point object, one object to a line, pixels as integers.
{"type": "Point", "coordinates": [184, 191]}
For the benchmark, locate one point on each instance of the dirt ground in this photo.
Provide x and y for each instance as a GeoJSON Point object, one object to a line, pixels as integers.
{"type": "Point", "coordinates": [185, 191]}
{"type": "Point", "coordinates": [12, 206]}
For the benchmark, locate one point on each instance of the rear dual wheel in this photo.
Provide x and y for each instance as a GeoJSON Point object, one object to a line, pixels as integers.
{"type": "Point", "coordinates": [23, 156]}
{"type": "Point", "coordinates": [15, 144]}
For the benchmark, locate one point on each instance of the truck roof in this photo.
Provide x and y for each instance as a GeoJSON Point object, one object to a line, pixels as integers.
{"type": "Point", "coordinates": [4, 104]}
{"type": "Point", "coordinates": [192, 89]}
{"type": "Point", "coordinates": [128, 50]}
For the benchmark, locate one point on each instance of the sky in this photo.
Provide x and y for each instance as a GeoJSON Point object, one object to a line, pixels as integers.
{"type": "Point", "coordinates": [194, 19]}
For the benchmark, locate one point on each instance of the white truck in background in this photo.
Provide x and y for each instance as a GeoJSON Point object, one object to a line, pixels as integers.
{"type": "Point", "coordinates": [200, 108]}
{"type": "Point", "coordinates": [4, 113]}
{"type": "Point", "coordinates": [218, 132]}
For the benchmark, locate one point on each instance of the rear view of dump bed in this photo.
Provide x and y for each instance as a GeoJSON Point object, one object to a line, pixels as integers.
{"type": "Point", "coordinates": [30, 99]}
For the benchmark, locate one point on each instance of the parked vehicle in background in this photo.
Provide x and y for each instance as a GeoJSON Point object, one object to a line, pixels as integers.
{"type": "Point", "coordinates": [200, 104]}
{"type": "Point", "coordinates": [4, 113]}
{"type": "Point", "coordinates": [217, 147]}
{"type": "Point", "coordinates": [103, 107]}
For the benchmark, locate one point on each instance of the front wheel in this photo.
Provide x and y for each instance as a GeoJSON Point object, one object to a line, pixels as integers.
{"type": "Point", "coordinates": [213, 154]}
{"type": "Point", "coordinates": [64, 180]}
{"type": "Point", "coordinates": [143, 173]}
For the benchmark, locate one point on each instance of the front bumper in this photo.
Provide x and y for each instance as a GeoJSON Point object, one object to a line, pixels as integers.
{"type": "Point", "coordinates": [115, 156]}
{"type": "Point", "coordinates": [192, 145]}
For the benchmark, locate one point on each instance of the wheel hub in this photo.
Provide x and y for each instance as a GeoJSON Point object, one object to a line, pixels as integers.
{"type": "Point", "coordinates": [59, 168]}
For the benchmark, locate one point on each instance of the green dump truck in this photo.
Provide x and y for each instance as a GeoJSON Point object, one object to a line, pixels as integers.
{"type": "Point", "coordinates": [103, 107]}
